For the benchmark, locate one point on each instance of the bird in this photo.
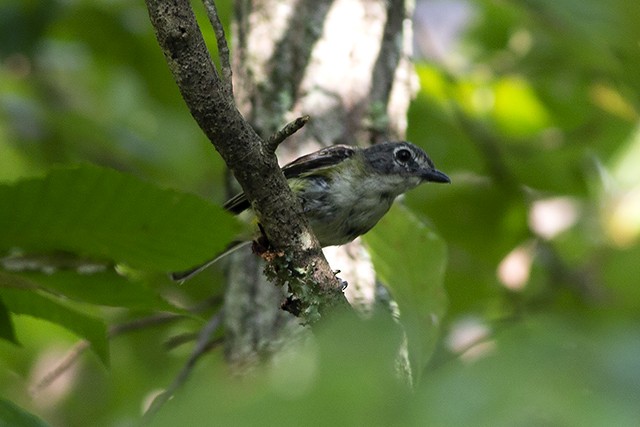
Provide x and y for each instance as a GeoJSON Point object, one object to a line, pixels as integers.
{"type": "Point", "coordinates": [344, 190]}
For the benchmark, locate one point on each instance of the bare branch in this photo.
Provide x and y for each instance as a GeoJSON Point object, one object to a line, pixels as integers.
{"type": "Point", "coordinates": [223, 47]}
{"type": "Point", "coordinates": [290, 128]}
{"type": "Point", "coordinates": [178, 340]}
{"type": "Point", "coordinates": [79, 349]}
{"type": "Point", "coordinates": [142, 323]}
{"type": "Point", "coordinates": [69, 360]}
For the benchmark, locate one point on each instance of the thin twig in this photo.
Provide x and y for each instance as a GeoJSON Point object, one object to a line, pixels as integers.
{"type": "Point", "coordinates": [178, 340]}
{"type": "Point", "coordinates": [116, 330]}
{"type": "Point", "coordinates": [67, 362]}
{"type": "Point", "coordinates": [289, 129]}
{"type": "Point", "coordinates": [83, 345]}
{"type": "Point", "coordinates": [202, 346]}
{"type": "Point", "coordinates": [144, 322]}
{"type": "Point", "coordinates": [223, 47]}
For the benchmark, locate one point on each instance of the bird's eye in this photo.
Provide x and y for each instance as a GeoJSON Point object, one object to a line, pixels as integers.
{"type": "Point", "coordinates": [403, 155]}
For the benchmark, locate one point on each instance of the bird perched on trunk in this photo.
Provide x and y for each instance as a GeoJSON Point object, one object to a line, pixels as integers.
{"type": "Point", "coordinates": [345, 190]}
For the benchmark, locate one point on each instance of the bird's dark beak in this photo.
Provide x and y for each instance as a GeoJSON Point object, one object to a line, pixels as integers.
{"type": "Point", "coordinates": [434, 175]}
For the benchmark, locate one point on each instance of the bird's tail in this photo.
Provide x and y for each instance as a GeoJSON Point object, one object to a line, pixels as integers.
{"type": "Point", "coordinates": [181, 276]}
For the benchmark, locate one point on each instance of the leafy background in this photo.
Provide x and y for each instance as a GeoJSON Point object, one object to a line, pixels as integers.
{"type": "Point", "coordinates": [531, 107]}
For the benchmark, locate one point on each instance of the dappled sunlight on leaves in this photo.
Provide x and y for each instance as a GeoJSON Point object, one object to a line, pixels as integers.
{"type": "Point", "coordinates": [514, 270]}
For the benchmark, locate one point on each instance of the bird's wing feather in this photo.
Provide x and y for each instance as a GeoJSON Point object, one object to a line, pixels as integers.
{"type": "Point", "coordinates": [314, 162]}
{"type": "Point", "coordinates": [305, 165]}
{"type": "Point", "coordinates": [237, 204]}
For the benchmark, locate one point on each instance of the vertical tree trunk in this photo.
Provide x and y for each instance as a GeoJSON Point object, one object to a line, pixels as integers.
{"type": "Point", "coordinates": [346, 64]}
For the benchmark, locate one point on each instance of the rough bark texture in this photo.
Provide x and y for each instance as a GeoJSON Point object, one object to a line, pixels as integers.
{"type": "Point", "coordinates": [343, 62]}
{"type": "Point", "coordinates": [244, 151]}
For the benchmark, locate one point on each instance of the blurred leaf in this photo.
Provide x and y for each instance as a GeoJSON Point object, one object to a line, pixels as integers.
{"type": "Point", "coordinates": [12, 415]}
{"type": "Point", "coordinates": [7, 331]}
{"type": "Point", "coordinates": [592, 24]}
{"type": "Point", "coordinates": [481, 224]}
{"type": "Point", "coordinates": [474, 214]}
{"type": "Point", "coordinates": [561, 170]}
{"type": "Point", "coordinates": [343, 375]}
{"type": "Point", "coordinates": [101, 288]}
{"type": "Point", "coordinates": [104, 213]}
{"type": "Point", "coordinates": [27, 300]}
{"type": "Point", "coordinates": [434, 126]}
{"type": "Point", "coordinates": [23, 23]}
{"type": "Point", "coordinates": [12, 163]}
{"type": "Point", "coordinates": [410, 259]}
{"type": "Point", "coordinates": [548, 370]}
{"type": "Point", "coordinates": [620, 271]}
{"type": "Point", "coordinates": [517, 110]}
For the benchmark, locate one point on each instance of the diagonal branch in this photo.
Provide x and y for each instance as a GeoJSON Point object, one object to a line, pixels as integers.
{"type": "Point", "coordinates": [81, 346]}
{"type": "Point", "coordinates": [244, 152]}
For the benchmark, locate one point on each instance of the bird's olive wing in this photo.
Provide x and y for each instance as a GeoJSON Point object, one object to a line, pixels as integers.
{"type": "Point", "coordinates": [322, 159]}
{"type": "Point", "coordinates": [305, 165]}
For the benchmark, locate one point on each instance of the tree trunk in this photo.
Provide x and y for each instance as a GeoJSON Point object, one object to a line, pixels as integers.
{"type": "Point", "coordinates": [346, 64]}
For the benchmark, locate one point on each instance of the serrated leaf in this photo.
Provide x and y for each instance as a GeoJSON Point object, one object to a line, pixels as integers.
{"type": "Point", "coordinates": [410, 260]}
{"type": "Point", "coordinates": [104, 213]}
{"type": "Point", "coordinates": [23, 297]}
{"type": "Point", "coordinates": [14, 416]}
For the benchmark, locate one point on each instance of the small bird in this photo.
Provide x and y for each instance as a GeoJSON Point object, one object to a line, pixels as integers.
{"type": "Point", "coordinates": [345, 190]}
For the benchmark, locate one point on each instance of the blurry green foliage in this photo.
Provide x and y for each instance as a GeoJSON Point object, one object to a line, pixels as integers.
{"type": "Point", "coordinates": [415, 282]}
{"type": "Point", "coordinates": [23, 298]}
{"type": "Point", "coordinates": [547, 370]}
{"type": "Point", "coordinates": [535, 118]}
{"type": "Point", "coordinates": [100, 213]}
{"type": "Point", "coordinates": [343, 375]}
{"type": "Point", "coordinates": [12, 415]}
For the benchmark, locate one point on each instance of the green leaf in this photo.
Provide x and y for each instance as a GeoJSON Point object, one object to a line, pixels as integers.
{"type": "Point", "coordinates": [7, 331]}
{"type": "Point", "coordinates": [348, 357]}
{"type": "Point", "coordinates": [23, 297]}
{"type": "Point", "coordinates": [12, 415]}
{"type": "Point", "coordinates": [105, 213]}
{"type": "Point", "coordinates": [410, 259]}
{"type": "Point", "coordinates": [102, 288]}
{"type": "Point", "coordinates": [517, 111]}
